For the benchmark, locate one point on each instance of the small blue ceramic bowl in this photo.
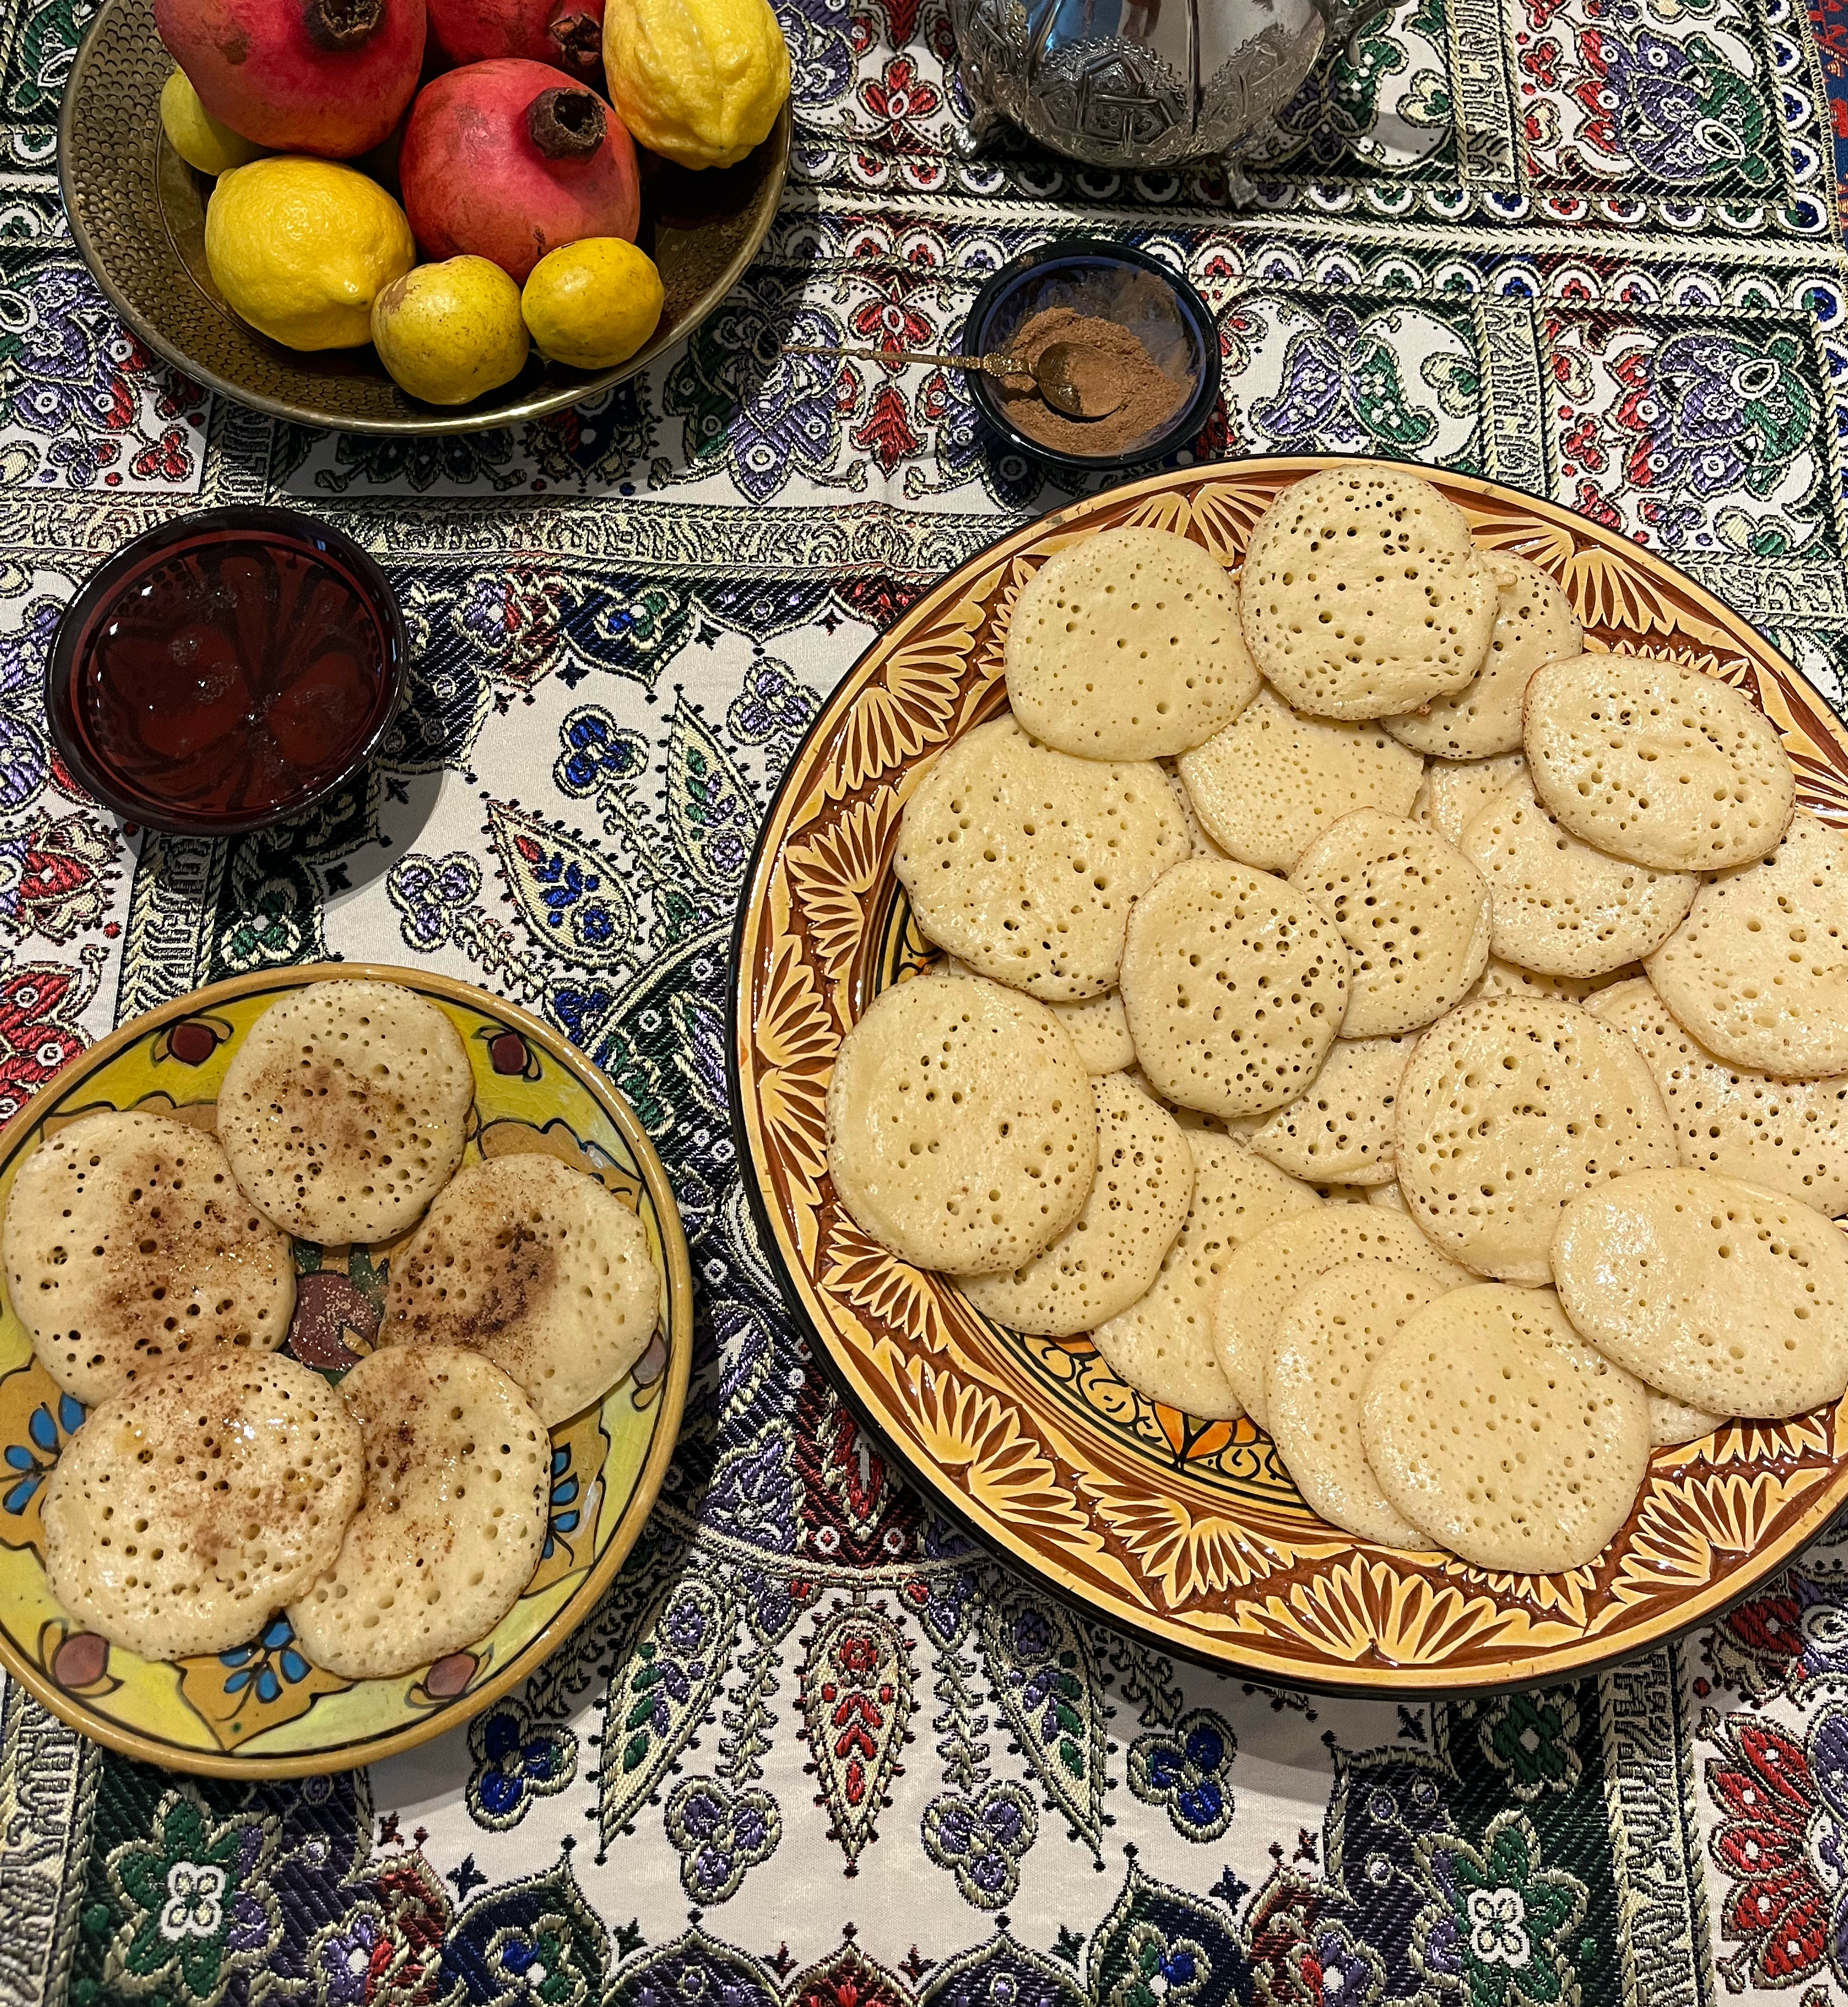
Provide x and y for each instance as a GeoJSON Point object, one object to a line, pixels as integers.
{"type": "Point", "coordinates": [1114, 283]}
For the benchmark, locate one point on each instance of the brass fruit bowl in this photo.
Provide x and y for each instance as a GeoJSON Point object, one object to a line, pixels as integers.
{"type": "Point", "coordinates": [137, 212]}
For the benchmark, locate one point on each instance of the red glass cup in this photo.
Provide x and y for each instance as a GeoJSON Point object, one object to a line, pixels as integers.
{"type": "Point", "coordinates": [226, 671]}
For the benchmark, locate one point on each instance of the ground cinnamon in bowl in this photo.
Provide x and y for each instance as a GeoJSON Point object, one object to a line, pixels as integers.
{"type": "Point", "coordinates": [1151, 396]}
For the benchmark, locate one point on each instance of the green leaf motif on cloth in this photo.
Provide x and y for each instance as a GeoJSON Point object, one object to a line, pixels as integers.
{"type": "Point", "coordinates": [1045, 1680]}
{"type": "Point", "coordinates": [1532, 1738]}
{"type": "Point", "coordinates": [196, 1910]}
{"type": "Point", "coordinates": [1511, 1917]}
{"type": "Point", "coordinates": [658, 1699]}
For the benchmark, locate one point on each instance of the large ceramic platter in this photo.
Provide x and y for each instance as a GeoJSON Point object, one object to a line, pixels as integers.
{"type": "Point", "coordinates": [264, 1710]}
{"type": "Point", "coordinates": [1191, 1533]}
{"type": "Point", "coordinates": [138, 213]}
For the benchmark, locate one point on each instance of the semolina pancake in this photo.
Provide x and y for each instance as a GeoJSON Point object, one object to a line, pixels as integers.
{"type": "Point", "coordinates": [1561, 908]}
{"type": "Point", "coordinates": [1723, 1294]}
{"type": "Point", "coordinates": [1127, 646]}
{"type": "Point", "coordinates": [1203, 845]}
{"type": "Point", "coordinates": [1498, 1432]}
{"type": "Point", "coordinates": [128, 1244]}
{"type": "Point", "coordinates": [1673, 1423]}
{"type": "Point", "coordinates": [1758, 971]}
{"type": "Point", "coordinates": [1414, 910]}
{"type": "Point", "coordinates": [458, 1472]}
{"type": "Point", "coordinates": [1534, 624]}
{"type": "Point", "coordinates": [1388, 1196]}
{"type": "Point", "coordinates": [1509, 978]}
{"type": "Point", "coordinates": [961, 1126]}
{"type": "Point", "coordinates": [1234, 985]}
{"type": "Point", "coordinates": [1508, 1110]}
{"type": "Point", "coordinates": [1788, 1135]}
{"type": "Point", "coordinates": [1326, 1343]}
{"type": "Point", "coordinates": [1362, 594]}
{"type": "Point", "coordinates": [1163, 1344]}
{"type": "Point", "coordinates": [193, 1505]}
{"type": "Point", "coordinates": [1653, 761]}
{"type": "Point", "coordinates": [343, 1112]}
{"type": "Point", "coordinates": [1270, 1271]}
{"type": "Point", "coordinates": [1268, 784]}
{"type": "Point", "coordinates": [1097, 1025]}
{"type": "Point", "coordinates": [1110, 1258]}
{"type": "Point", "coordinates": [539, 1267]}
{"type": "Point", "coordinates": [1341, 1131]}
{"type": "Point", "coordinates": [1023, 862]}
{"type": "Point", "coordinates": [1449, 796]}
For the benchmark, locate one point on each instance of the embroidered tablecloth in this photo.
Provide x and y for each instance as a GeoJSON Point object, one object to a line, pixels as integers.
{"type": "Point", "coordinates": [815, 1750]}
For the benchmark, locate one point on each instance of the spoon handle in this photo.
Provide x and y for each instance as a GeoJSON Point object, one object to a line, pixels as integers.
{"type": "Point", "coordinates": [995, 365]}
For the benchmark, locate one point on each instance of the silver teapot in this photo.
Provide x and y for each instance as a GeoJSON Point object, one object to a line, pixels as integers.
{"type": "Point", "coordinates": [1144, 83]}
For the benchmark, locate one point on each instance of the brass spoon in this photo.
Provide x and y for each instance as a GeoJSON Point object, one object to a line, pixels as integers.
{"type": "Point", "coordinates": [1071, 378]}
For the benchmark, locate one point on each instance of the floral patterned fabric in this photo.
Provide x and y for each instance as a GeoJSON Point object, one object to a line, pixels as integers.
{"type": "Point", "coordinates": [814, 1751]}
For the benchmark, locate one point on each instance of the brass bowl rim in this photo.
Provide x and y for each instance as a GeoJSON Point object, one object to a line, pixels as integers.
{"type": "Point", "coordinates": [436, 422]}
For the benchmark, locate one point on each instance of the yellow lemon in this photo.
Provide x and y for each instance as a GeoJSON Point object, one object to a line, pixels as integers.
{"type": "Point", "coordinates": [302, 248]}
{"type": "Point", "coordinates": [701, 81]}
{"type": "Point", "coordinates": [196, 135]}
{"type": "Point", "coordinates": [592, 304]}
{"type": "Point", "coordinates": [448, 332]}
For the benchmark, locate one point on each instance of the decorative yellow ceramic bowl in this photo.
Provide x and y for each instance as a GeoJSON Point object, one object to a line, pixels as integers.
{"type": "Point", "coordinates": [263, 1710]}
{"type": "Point", "coordinates": [1188, 1531]}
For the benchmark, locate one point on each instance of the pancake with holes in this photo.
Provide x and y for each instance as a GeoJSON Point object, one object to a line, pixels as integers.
{"type": "Point", "coordinates": [1163, 1345]}
{"type": "Point", "coordinates": [1341, 1131]}
{"type": "Point", "coordinates": [1790, 1135]}
{"type": "Point", "coordinates": [1362, 594]}
{"type": "Point", "coordinates": [1268, 1274]}
{"type": "Point", "coordinates": [1412, 909]}
{"type": "Point", "coordinates": [1098, 1028]}
{"type": "Point", "coordinates": [1534, 624]}
{"type": "Point", "coordinates": [128, 1244]}
{"type": "Point", "coordinates": [458, 1472]}
{"type": "Point", "coordinates": [1672, 1422]}
{"type": "Point", "coordinates": [1506, 1112]}
{"type": "Point", "coordinates": [1499, 1433]}
{"type": "Point", "coordinates": [1654, 762]}
{"type": "Point", "coordinates": [1234, 984]}
{"type": "Point", "coordinates": [1203, 845]}
{"type": "Point", "coordinates": [1266, 787]}
{"type": "Point", "coordinates": [1723, 1294]}
{"type": "Point", "coordinates": [1023, 863]}
{"type": "Point", "coordinates": [1449, 796]}
{"type": "Point", "coordinates": [1110, 1258]}
{"type": "Point", "coordinates": [1127, 646]}
{"type": "Point", "coordinates": [1758, 971]}
{"type": "Point", "coordinates": [1561, 908]}
{"type": "Point", "coordinates": [1509, 978]}
{"type": "Point", "coordinates": [540, 1267]}
{"type": "Point", "coordinates": [343, 1109]}
{"type": "Point", "coordinates": [1326, 1342]}
{"type": "Point", "coordinates": [193, 1505]}
{"type": "Point", "coordinates": [961, 1126]}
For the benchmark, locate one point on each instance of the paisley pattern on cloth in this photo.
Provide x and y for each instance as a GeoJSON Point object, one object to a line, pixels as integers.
{"type": "Point", "coordinates": [814, 1751]}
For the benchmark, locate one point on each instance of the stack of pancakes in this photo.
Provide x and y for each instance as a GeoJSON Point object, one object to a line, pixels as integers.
{"type": "Point", "coordinates": [215, 1480]}
{"type": "Point", "coordinates": [1372, 1012]}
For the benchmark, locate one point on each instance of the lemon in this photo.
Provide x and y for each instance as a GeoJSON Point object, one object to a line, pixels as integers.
{"type": "Point", "coordinates": [448, 332]}
{"type": "Point", "coordinates": [701, 81]}
{"type": "Point", "coordinates": [194, 134]}
{"type": "Point", "coordinates": [302, 248]}
{"type": "Point", "coordinates": [592, 304]}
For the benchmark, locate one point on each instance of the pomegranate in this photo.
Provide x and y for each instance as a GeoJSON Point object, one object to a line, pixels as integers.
{"type": "Point", "coordinates": [566, 32]}
{"type": "Point", "coordinates": [509, 160]}
{"type": "Point", "coordinates": [302, 76]}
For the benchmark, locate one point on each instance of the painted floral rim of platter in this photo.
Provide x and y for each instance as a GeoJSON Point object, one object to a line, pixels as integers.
{"type": "Point", "coordinates": [1191, 1533]}
{"type": "Point", "coordinates": [263, 1710]}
